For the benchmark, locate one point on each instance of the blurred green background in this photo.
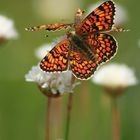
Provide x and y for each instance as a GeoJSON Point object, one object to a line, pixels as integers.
{"type": "Point", "coordinates": [23, 107]}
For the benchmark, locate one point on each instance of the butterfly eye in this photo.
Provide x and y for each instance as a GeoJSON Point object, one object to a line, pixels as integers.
{"type": "Point", "coordinates": [83, 11]}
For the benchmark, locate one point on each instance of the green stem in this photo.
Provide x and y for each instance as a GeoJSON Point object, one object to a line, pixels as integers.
{"type": "Point", "coordinates": [48, 119]}
{"type": "Point", "coordinates": [69, 107]}
{"type": "Point", "coordinates": [115, 120]}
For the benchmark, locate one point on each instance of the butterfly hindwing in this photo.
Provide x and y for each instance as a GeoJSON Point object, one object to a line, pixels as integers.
{"type": "Point", "coordinates": [80, 64]}
{"type": "Point", "coordinates": [57, 59]}
{"type": "Point", "coordinates": [101, 19]}
{"type": "Point", "coordinates": [104, 46]}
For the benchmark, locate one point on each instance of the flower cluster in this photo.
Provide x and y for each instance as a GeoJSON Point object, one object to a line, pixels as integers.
{"type": "Point", "coordinates": [115, 76]}
{"type": "Point", "coordinates": [63, 11]}
{"type": "Point", "coordinates": [54, 82]}
{"type": "Point", "coordinates": [7, 29]}
{"type": "Point", "coordinates": [43, 50]}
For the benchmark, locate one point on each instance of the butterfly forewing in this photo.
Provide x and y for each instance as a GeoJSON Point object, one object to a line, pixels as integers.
{"type": "Point", "coordinates": [50, 27]}
{"type": "Point", "coordinates": [57, 59]}
{"type": "Point", "coordinates": [101, 19]}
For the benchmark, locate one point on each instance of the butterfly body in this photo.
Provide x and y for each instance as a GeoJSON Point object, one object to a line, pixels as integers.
{"type": "Point", "coordinates": [87, 46]}
{"type": "Point", "coordinates": [78, 43]}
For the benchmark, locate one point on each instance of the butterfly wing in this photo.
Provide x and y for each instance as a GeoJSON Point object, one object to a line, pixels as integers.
{"type": "Point", "coordinates": [101, 19]}
{"type": "Point", "coordinates": [57, 59]}
{"type": "Point", "coordinates": [49, 27]}
{"type": "Point", "coordinates": [104, 46]}
{"type": "Point", "coordinates": [80, 64]}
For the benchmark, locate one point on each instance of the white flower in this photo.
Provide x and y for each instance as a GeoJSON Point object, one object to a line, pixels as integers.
{"type": "Point", "coordinates": [56, 82]}
{"type": "Point", "coordinates": [35, 75]}
{"type": "Point", "coordinates": [43, 50]}
{"type": "Point", "coordinates": [7, 29]}
{"type": "Point", "coordinates": [115, 76]}
{"type": "Point", "coordinates": [121, 15]}
{"type": "Point", "coordinates": [56, 10]}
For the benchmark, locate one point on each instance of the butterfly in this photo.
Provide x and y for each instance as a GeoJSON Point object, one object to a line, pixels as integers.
{"type": "Point", "coordinates": [87, 46]}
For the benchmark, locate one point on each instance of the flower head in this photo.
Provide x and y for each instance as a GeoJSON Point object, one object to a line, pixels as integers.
{"type": "Point", "coordinates": [121, 15]}
{"type": "Point", "coordinates": [56, 83]}
{"type": "Point", "coordinates": [115, 76]}
{"type": "Point", "coordinates": [7, 30]}
{"type": "Point", "coordinates": [43, 50]}
{"type": "Point", "coordinates": [49, 9]}
{"type": "Point", "coordinates": [52, 84]}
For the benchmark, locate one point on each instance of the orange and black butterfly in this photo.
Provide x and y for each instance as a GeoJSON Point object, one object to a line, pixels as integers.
{"type": "Point", "coordinates": [87, 46]}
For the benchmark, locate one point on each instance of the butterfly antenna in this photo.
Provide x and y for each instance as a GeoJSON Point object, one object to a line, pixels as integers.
{"type": "Point", "coordinates": [34, 28]}
{"type": "Point", "coordinates": [29, 29]}
{"type": "Point", "coordinates": [117, 29]}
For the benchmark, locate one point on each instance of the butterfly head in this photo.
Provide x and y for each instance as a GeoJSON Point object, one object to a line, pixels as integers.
{"type": "Point", "coordinates": [79, 12]}
{"type": "Point", "coordinates": [78, 16]}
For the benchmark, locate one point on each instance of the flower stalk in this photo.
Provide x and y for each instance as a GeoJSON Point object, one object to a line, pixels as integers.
{"type": "Point", "coordinates": [115, 78]}
{"type": "Point", "coordinates": [48, 119]}
{"type": "Point", "coordinates": [2, 40]}
{"type": "Point", "coordinates": [85, 98]}
{"type": "Point", "coordinates": [69, 108]}
{"type": "Point", "coordinates": [114, 94]}
{"type": "Point", "coordinates": [53, 86]}
{"type": "Point", "coordinates": [54, 118]}
{"type": "Point", "coordinates": [115, 120]}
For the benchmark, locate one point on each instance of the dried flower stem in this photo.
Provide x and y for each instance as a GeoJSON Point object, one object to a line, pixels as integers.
{"type": "Point", "coordinates": [85, 97]}
{"type": "Point", "coordinates": [54, 118]}
{"type": "Point", "coordinates": [2, 41]}
{"type": "Point", "coordinates": [69, 107]}
{"type": "Point", "coordinates": [115, 120]}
